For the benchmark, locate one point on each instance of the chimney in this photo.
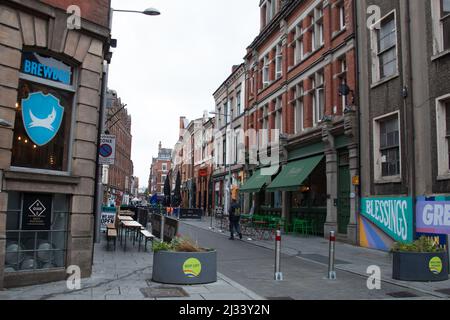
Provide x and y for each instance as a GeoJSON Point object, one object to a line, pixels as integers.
{"type": "Point", "coordinates": [182, 121]}
{"type": "Point", "coordinates": [159, 146]}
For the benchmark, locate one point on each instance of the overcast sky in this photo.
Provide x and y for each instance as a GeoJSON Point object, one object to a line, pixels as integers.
{"type": "Point", "coordinates": [169, 66]}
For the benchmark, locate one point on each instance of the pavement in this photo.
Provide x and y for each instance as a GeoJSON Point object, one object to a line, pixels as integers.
{"type": "Point", "coordinates": [350, 259]}
{"type": "Point", "coordinates": [119, 275]}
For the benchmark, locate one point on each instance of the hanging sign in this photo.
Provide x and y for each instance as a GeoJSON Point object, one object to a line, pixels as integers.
{"type": "Point", "coordinates": [37, 212]}
{"type": "Point", "coordinates": [107, 149]}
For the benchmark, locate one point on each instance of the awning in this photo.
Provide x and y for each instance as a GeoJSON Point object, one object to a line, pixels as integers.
{"type": "Point", "coordinates": [294, 174]}
{"type": "Point", "coordinates": [255, 183]}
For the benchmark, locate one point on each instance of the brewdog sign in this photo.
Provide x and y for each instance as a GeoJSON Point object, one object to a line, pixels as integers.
{"type": "Point", "coordinates": [394, 216]}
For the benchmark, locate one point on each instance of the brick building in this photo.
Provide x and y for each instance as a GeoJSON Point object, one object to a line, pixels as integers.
{"type": "Point", "coordinates": [50, 95]}
{"type": "Point", "coordinates": [159, 170]}
{"type": "Point", "coordinates": [297, 68]}
{"type": "Point", "coordinates": [118, 123]}
{"type": "Point", "coordinates": [229, 136]}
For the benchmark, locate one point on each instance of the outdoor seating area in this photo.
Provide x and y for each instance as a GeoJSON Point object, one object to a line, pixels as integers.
{"type": "Point", "coordinates": [264, 226]}
{"type": "Point", "coordinates": [125, 228]}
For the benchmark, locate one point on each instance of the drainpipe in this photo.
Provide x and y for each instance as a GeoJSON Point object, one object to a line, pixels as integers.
{"type": "Point", "coordinates": [408, 115]}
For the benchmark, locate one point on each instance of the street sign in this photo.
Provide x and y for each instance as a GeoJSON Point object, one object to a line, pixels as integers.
{"type": "Point", "coordinates": [107, 149]}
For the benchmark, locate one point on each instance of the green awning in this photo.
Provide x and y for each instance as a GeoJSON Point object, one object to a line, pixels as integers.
{"type": "Point", "coordinates": [294, 174]}
{"type": "Point", "coordinates": [255, 183]}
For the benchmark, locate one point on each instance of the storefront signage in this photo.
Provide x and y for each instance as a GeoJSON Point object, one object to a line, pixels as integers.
{"type": "Point", "coordinates": [107, 150]}
{"type": "Point", "coordinates": [108, 216]}
{"type": "Point", "coordinates": [433, 217]}
{"type": "Point", "coordinates": [37, 212]}
{"type": "Point", "coordinates": [394, 216]}
{"type": "Point", "coordinates": [46, 68]}
{"type": "Point", "coordinates": [42, 116]}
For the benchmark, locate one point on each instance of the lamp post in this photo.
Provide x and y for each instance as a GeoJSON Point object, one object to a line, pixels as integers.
{"type": "Point", "coordinates": [99, 171]}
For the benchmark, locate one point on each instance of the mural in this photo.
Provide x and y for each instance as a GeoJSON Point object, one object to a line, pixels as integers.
{"type": "Point", "coordinates": [372, 237]}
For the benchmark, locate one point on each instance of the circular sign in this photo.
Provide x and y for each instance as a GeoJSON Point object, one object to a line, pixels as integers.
{"type": "Point", "coordinates": [105, 150]}
{"type": "Point", "coordinates": [435, 265]}
{"type": "Point", "coordinates": [192, 268]}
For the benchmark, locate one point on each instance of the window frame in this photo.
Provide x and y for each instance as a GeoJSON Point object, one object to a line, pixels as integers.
{"type": "Point", "coordinates": [375, 39]}
{"type": "Point", "coordinates": [377, 154]}
{"type": "Point", "coordinates": [442, 138]}
{"type": "Point", "coordinates": [56, 86]}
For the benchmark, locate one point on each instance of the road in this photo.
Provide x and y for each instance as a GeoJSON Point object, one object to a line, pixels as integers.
{"type": "Point", "coordinates": [253, 267]}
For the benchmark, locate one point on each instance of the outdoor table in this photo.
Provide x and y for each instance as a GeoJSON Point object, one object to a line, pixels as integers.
{"type": "Point", "coordinates": [131, 226]}
{"type": "Point", "coordinates": [126, 213]}
{"type": "Point", "coordinates": [121, 219]}
{"type": "Point", "coordinates": [125, 218]}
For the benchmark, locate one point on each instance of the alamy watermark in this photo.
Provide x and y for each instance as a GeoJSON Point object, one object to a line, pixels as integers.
{"type": "Point", "coordinates": [73, 282]}
{"type": "Point", "coordinates": [74, 17]}
{"type": "Point", "coordinates": [374, 280]}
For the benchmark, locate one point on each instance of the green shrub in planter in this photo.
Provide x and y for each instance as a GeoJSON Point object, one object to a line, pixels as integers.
{"type": "Point", "coordinates": [422, 260]}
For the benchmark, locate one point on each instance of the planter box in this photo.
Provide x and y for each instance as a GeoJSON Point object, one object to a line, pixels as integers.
{"type": "Point", "coordinates": [185, 268]}
{"type": "Point", "coordinates": [412, 266]}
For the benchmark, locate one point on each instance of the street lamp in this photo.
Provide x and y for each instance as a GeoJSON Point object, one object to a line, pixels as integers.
{"type": "Point", "coordinates": [148, 11]}
{"type": "Point", "coordinates": [99, 171]}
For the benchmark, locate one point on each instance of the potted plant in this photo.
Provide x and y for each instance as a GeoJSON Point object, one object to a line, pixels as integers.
{"type": "Point", "coordinates": [182, 262]}
{"type": "Point", "coordinates": [422, 260]}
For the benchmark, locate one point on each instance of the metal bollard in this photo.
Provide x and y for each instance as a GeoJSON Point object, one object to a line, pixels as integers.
{"type": "Point", "coordinates": [331, 270]}
{"type": "Point", "coordinates": [162, 227]}
{"type": "Point", "coordinates": [278, 273]}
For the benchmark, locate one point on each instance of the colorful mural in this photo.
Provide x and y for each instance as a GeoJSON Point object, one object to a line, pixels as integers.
{"type": "Point", "coordinates": [370, 236]}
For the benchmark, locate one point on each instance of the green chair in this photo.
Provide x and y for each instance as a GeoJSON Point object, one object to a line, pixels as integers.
{"type": "Point", "coordinates": [302, 226]}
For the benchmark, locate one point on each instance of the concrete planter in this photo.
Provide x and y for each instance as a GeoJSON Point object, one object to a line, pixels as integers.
{"type": "Point", "coordinates": [185, 268]}
{"type": "Point", "coordinates": [414, 266]}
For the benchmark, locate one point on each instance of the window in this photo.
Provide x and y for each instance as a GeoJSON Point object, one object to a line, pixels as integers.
{"type": "Point", "coordinates": [163, 178]}
{"type": "Point", "coordinates": [343, 81]}
{"type": "Point", "coordinates": [443, 136]}
{"type": "Point", "coordinates": [43, 114]}
{"type": "Point", "coordinates": [299, 109]}
{"type": "Point", "coordinates": [36, 232]}
{"type": "Point", "coordinates": [278, 62]}
{"type": "Point", "coordinates": [232, 115]}
{"type": "Point", "coordinates": [445, 20]}
{"type": "Point", "coordinates": [387, 147]}
{"type": "Point", "coordinates": [341, 17]}
{"type": "Point", "coordinates": [164, 167]}
{"type": "Point", "coordinates": [238, 104]}
{"type": "Point", "coordinates": [279, 115]}
{"type": "Point", "coordinates": [266, 72]}
{"type": "Point", "coordinates": [317, 36]}
{"type": "Point", "coordinates": [386, 44]}
{"type": "Point", "coordinates": [225, 113]}
{"type": "Point", "coordinates": [318, 98]}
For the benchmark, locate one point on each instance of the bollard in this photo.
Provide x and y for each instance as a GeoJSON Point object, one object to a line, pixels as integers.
{"type": "Point", "coordinates": [331, 270]}
{"type": "Point", "coordinates": [162, 227]}
{"type": "Point", "coordinates": [278, 273]}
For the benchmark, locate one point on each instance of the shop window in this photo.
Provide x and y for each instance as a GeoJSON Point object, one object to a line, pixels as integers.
{"type": "Point", "coordinates": [36, 232]}
{"type": "Point", "coordinates": [387, 147]}
{"type": "Point", "coordinates": [43, 114]}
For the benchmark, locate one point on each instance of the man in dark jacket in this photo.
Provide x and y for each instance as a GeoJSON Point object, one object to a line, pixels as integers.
{"type": "Point", "coordinates": [234, 216]}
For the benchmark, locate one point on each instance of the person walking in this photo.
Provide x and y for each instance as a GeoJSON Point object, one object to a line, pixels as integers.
{"type": "Point", "coordinates": [235, 217]}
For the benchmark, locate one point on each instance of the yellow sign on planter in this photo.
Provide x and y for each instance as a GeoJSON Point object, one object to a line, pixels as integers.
{"type": "Point", "coordinates": [435, 265]}
{"type": "Point", "coordinates": [192, 268]}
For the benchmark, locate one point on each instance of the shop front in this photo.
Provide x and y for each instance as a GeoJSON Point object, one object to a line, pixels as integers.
{"type": "Point", "coordinates": [50, 89]}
